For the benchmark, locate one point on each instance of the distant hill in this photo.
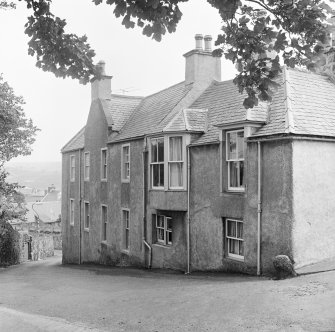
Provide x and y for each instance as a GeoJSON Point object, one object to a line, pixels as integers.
{"type": "Point", "coordinates": [35, 174]}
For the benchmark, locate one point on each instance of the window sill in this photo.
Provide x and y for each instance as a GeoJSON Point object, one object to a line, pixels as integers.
{"type": "Point", "coordinates": [125, 180]}
{"type": "Point", "coordinates": [86, 229]}
{"type": "Point", "coordinates": [86, 180]}
{"type": "Point", "coordinates": [103, 180]}
{"type": "Point", "coordinates": [72, 180]}
{"type": "Point", "coordinates": [71, 225]}
{"type": "Point", "coordinates": [235, 259]}
{"type": "Point", "coordinates": [162, 245]}
{"type": "Point", "coordinates": [104, 242]}
{"type": "Point", "coordinates": [168, 190]}
{"type": "Point", "coordinates": [125, 251]}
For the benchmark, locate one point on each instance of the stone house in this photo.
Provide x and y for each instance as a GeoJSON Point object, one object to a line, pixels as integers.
{"type": "Point", "coordinates": [188, 179]}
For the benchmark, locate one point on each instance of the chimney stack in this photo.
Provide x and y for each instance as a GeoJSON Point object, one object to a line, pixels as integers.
{"type": "Point", "coordinates": [201, 67]}
{"type": "Point", "coordinates": [101, 88]}
{"type": "Point", "coordinates": [208, 43]}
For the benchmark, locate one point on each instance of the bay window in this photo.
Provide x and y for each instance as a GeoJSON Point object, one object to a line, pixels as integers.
{"type": "Point", "coordinates": [235, 159]}
{"type": "Point", "coordinates": [167, 158]}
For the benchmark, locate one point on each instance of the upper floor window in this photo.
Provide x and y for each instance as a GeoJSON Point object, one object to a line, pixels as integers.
{"type": "Point", "coordinates": [72, 168]}
{"type": "Point", "coordinates": [125, 163]}
{"type": "Point", "coordinates": [157, 162]}
{"type": "Point", "coordinates": [104, 164]}
{"type": "Point", "coordinates": [235, 159]}
{"type": "Point", "coordinates": [167, 162]}
{"type": "Point", "coordinates": [87, 166]}
{"type": "Point", "coordinates": [176, 162]}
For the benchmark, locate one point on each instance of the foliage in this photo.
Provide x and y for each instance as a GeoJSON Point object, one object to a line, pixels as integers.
{"type": "Point", "coordinates": [16, 132]}
{"type": "Point", "coordinates": [9, 245]}
{"type": "Point", "coordinates": [252, 29]}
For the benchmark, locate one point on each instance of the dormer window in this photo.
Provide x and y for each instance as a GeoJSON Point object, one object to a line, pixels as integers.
{"type": "Point", "coordinates": [235, 159]}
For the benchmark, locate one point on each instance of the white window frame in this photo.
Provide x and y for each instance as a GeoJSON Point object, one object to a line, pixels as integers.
{"type": "Point", "coordinates": [237, 159]}
{"type": "Point", "coordinates": [182, 161]}
{"type": "Point", "coordinates": [103, 169]}
{"type": "Point", "coordinates": [72, 168]}
{"type": "Point", "coordinates": [165, 241]}
{"type": "Point", "coordinates": [167, 162]}
{"type": "Point", "coordinates": [125, 177]}
{"type": "Point", "coordinates": [234, 238]}
{"type": "Point", "coordinates": [71, 210]}
{"type": "Point", "coordinates": [125, 229]}
{"type": "Point", "coordinates": [104, 223]}
{"type": "Point", "coordinates": [157, 163]}
{"type": "Point", "coordinates": [87, 167]}
{"type": "Point", "coordinates": [87, 204]}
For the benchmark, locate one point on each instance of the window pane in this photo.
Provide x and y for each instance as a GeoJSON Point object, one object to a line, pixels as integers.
{"type": "Point", "coordinates": [161, 175]}
{"type": "Point", "coordinates": [233, 172]}
{"type": "Point", "coordinates": [241, 174]}
{"type": "Point", "coordinates": [241, 248]}
{"type": "Point", "coordinates": [160, 221]}
{"type": "Point", "coordinates": [176, 174]}
{"type": "Point", "coordinates": [160, 234]}
{"type": "Point", "coordinates": [231, 141]}
{"type": "Point", "coordinates": [160, 149]}
{"type": "Point", "coordinates": [154, 150]}
{"type": "Point", "coordinates": [239, 230]}
{"type": "Point", "coordinates": [240, 144]}
{"type": "Point", "coordinates": [176, 149]}
{"type": "Point", "coordinates": [155, 175]}
{"type": "Point", "coordinates": [127, 239]}
{"type": "Point", "coordinates": [233, 246]}
{"type": "Point", "coordinates": [125, 154]}
{"type": "Point", "coordinates": [231, 228]}
{"type": "Point", "coordinates": [169, 239]}
{"type": "Point", "coordinates": [169, 224]}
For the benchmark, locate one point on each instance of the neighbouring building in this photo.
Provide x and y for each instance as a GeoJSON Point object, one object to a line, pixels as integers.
{"type": "Point", "coordinates": [188, 179]}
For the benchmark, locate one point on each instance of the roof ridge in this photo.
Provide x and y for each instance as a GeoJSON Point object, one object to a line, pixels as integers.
{"type": "Point", "coordinates": [126, 96]}
{"type": "Point", "coordinates": [169, 87]}
{"type": "Point", "coordinates": [289, 116]}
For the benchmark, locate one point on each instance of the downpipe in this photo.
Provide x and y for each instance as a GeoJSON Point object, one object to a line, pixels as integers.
{"type": "Point", "coordinates": [259, 207]}
{"type": "Point", "coordinates": [188, 212]}
{"type": "Point", "coordinates": [145, 211]}
{"type": "Point", "coordinates": [79, 189]}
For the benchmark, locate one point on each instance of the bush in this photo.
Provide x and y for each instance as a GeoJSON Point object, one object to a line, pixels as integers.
{"type": "Point", "coordinates": [9, 245]}
{"type": "Point", "coordinates": [284, 267]}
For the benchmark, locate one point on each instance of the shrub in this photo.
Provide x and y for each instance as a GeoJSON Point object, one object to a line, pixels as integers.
{"type": "Point", "coordinates": [9, 245]}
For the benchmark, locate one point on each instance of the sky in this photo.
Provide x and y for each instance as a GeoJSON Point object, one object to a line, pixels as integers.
{"type": "Point", "coordinates": [139, 65]}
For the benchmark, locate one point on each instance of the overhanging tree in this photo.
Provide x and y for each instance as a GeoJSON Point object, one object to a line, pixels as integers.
{"type": "Point", "coordinates": [296, 30]}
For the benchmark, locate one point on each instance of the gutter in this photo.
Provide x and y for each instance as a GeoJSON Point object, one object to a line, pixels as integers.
{"type": "Point", "coordinates": [259, 207]}
{"type": "Point", "coordinates": [188, 211]}
{"type": "Point", "coordinates": [144, 230]}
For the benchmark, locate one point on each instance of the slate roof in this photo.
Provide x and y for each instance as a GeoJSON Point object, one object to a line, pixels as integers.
{"type": "Point", "coordinates": [118, 109]}
{"type": "Point", "coordinates": [77, 142]}
{"type": "Point", "coordinates": [304, 105]}
{"type": "Point", "coordinates": [151, 115]}
{"type": "Point", "coordinates": [225, 105]}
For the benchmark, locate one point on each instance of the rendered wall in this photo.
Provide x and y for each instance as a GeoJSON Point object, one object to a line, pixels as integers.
{"type": "Point", "coordinates": [70, 233]}
{"type": "Point", "coordinates": [276, 196]}
{"type": "Point", "coordinates": [314, 201]}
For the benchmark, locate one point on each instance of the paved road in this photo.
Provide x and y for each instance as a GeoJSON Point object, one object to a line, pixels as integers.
{"type": "Point", "coordinates": [46, 296]}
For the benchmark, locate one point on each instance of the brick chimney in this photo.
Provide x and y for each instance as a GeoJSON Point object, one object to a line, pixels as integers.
{"type": "Point", "coordinates": [201, 66]}
{"type": "Point", "coordinates": [101, 89]}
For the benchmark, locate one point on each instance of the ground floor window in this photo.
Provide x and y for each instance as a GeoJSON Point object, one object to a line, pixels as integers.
{"type": "Point", "coordinates": [104, 222]}
{"type": "Point", "coordinates": [87, 215]}
{"type": "Point", "coordinates": [163, 226]}
{"type": "Point", "coordinates": [126, 228]}
{"type": "Point", "coordinates": [234, 238]}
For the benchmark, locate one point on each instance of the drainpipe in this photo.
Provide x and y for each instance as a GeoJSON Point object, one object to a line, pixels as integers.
{"type": "Point", "coordinates": [188, 210]}
{"type": "Point", "coordinates": [79, 189]}
{"type": "Point", "coordinates": [259, 208]}
{"type": "Point", "coordinates": [144, 231]}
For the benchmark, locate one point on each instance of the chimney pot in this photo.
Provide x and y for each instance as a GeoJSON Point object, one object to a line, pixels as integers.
{"type": "Point", "coordinates": [208, 43]}
{"type": "Point", "coordinates": [101, 67]}
{"type": "Point", "coordinates": [198, 42]}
